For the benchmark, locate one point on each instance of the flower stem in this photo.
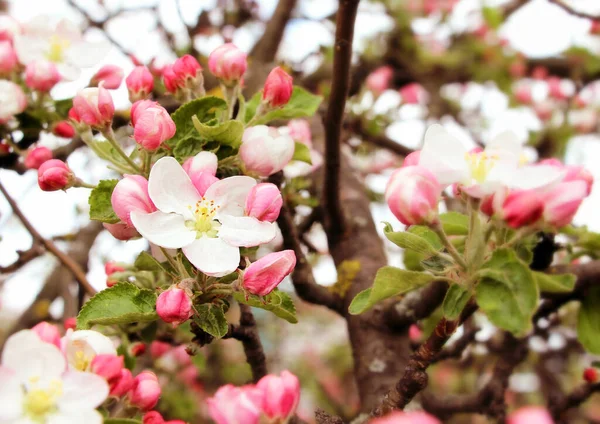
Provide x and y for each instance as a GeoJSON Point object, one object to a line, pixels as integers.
{"type": "Point", "coordinates": [437, 228]}
{"type": "Point", "coordinates": [110, 136]}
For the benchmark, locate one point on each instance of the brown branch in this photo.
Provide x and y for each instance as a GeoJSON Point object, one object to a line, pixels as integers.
{"type": "Point", "coordinates": [247, 333]}
{"type": "Point", "coordinates": [266, 48]}
{"type": "Point", "coordinates": [458, 347]}
{"type": "Point", "coordinates": [25, 256]}
{"type": "Point", "coordinates": [380, 140]}
{"type": "Point", "coordinates": [574, 399]}
{"type": "Point", "coordinates": [335, 222]}
{"type": "Point", "coordinates": [415, 305]}
{"type": "Point", "coordinates": [415, 376]}
{"type": "Point", "coordinates": [323, 417]}
{"type": "Point", "coordinates": [65, 259]}
{"type": "Point", "coordinates": [573, 11]}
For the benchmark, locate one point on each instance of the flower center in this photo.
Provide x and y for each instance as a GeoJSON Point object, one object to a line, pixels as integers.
{"type": "Point", "coordinates": [480, 165]}
{"type": "Point", "coordinates": [40, 402]}
{"type": "Point", "coordinates": [56, 52]}
{"type": "Point", "coordinates": [204, 222]}
{"type": "Point", "coordinates": [82, 362]}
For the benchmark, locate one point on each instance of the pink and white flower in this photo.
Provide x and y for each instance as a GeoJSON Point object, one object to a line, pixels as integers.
{"type": "Point", "coordinates": [210, 229]}
{"type": "Point", "coordinates": [235, 405]}
{"type": "Point", "coordinates": [111, 75]}
{"type": "Point", "coordinates": [12, 100]}
{"type": "Point", "coordinates": [82, 346]}
{"type": "Point", "coordinates": [264, 275]}
{"type": "Point", "coordinates": [8, 58]}
{"type": "Point", "coordinates": [265, 150]}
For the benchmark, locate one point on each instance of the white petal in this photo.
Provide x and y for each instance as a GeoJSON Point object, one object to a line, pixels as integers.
{"type": "Point", "coordinates": [11, 396]}
{"type": "Point", "coordinates": [230, 194]}
{"type": "Point", "coordinates": [29, 49]}
{"type": "Point", "coordinates": [246, 231]}
{"type": "Point", "coordinates": [68, 71]}
{"type": "Point", "coordinates": [444, 155]}
{"type": "Point", "coordinates": [87, 54]}
{"type": "Point", "coordinates": [82, 391]}
{"type": "Point", "coordinates": [88, 417]}
{"type": "Point", "coordinates": [540, 177]}
{"type": "Point", "coordinates": [163, 229]}
{"type": "Point", "coordinates": [213, 256]}
{"type": "Point", "coordinates": [67, 30]}
{"type": "Point", "coordinates": [171, 189]}
{"type": "Point", "coordinates": [89, 343]}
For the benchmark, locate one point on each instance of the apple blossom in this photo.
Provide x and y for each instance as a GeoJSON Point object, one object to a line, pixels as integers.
{"type": "Point", "coordinates": [299, 130]}
{"type": "Point", "coordinates": [54, 175]}
{"type": "Point", "coordinates": [9, 27]}
{"type": "Point", "coordinates": [145, 391]}
{"type": "Point", "coordinates": [188, 72]}
{"type": "Point", "coordinates": [415, 334]}
{"type": "Point", "coordinates": [264, 202]}
{"type": "Point", "coordinates": [107, 366]}
{"type": "Point", "coordinates": [170, 80]}
{"type": "Point", "coordinates": [265, 151]}
{"type": "Point", "coordinates": [262, 276]}
{"type": "Point", "coordinates": [561, 202]}
{"type": "Point", "coordinates": [70, 323]}
{"type": "Point", "coordinates": [8, 58]}
{"type": "Point", "coordinates": [278, 88]}
{"type": "Point", "coordinates": [140, 83]}
{"type": "Point", "coordinates": [521, 208]}
{"type": "Point", "coordinates": [112, 267]}
{"type": "Point", "coordinates": [129, 195]}
{"type": "Point", "coordinates": [379, 80]}
{"type": "Point", "coordinates": [412, 159]}
{"type": "Point", "coordinates": [154, 417]}
{"type": "Point", "coordinates": [12, 100]}
{"type": "Point", "coordinates": [47, 333]}
{"type": "Point", "coordinates": [158, 348]}
{"type": "Point", "coordinates": [41, 75]}
{"type": "Point", "coordinates": [228, 63]}
{"type": "Point", "coordinates": [412, 417]}
{"type": "Point", "coordinates": [121, 231]}
{"type": "Point", "coordinates": [413, 194]}
{"type": "Point", "coordinates": [210, 228]}
{"type": "Point", "coordinates": [202, 169]}
{"type": "Point", "coordinates": [63, 129]}
{"type": "Point", "coordinates": [94, 106]}
{"type": "Point", "coordinates": [37, 156]}
{"type": "Point", "coordinates": [234, 405]}
{"type": "Point", "coordinates": [530, 415]}
{"type": "Point", "coordinates": [174, 306]}
{"type": "Point", "coordinates": [122, 384]}
{"type": "Point", "coordinates": [413, 93]}
{"type": "Point", "coordinates": [82, 346]}
{"type": "Point", "coordinates": [111, 75]}
{"type": "Point", "coordinates": [280, 395]}
{"type": "Point", "coordinates": [36, 388]}
{"type": "Point", "coordinates": [152, 124]}
{"type": "Point", "coordinates": [137, 349]}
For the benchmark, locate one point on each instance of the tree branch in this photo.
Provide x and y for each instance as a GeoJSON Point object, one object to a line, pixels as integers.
{"type": "Point", "coordinates": [25, 256]}
{"type": "Point", "coordinates": [65, 259]}
{"type": "Point", "coordinates": [574, 399]}
{"type": "Point", "coordinates": [415, 305]}
{"type": "Point", "coordinates": [573, 11]}
{"type": "Point", "coordinates": [247, 333]}
{"type": "Point", "coordinates": [266, 48]}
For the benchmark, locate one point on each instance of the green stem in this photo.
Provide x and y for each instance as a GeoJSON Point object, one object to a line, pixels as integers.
{"type": "Point", "coordinates": [147, 163]}
{"type": "Point", "coordinates": [110, 136]}
{"type": "Point", "coordinates": [172, 261]}
{"type": "Point", "coordinates": [519, 235]}
{"type": "Point", "coordinates": [449, 246]}
{"type": "Point", "coordinates": [257, 114]}
{"type": "Point", "coordinates": [231, 96]}
{"type": "Point", "coordinates": [80, 183]}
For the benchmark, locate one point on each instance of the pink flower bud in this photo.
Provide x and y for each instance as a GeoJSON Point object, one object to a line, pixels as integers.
{"type": "Point", "coordinates": [379, 80]}
{"type": "Point", "coordinates": [413, 94]}
{"type": "Point", "coordinates": [174, 306]}
{"type": "Point", "coordinates": [152, 124]}
{"type": "Point", "coordinates": [262, 276]}
{"type": "Point", "coordinates": [55, 175]}
{"type": "Point", "coordinates": [9, 27]}
{"type": "Point", "coordinates": [170, 80]}
{"type": "Point", "coordinates": [63, 129]}
{"type": "Point", "coordinates": [187, 70]}
{"type": "Point", "coordinates": [264, 202]}
{"type": "Point", "coordinates": [523, 94]}
{"type": "Point", "coordinates": [158, 349]}
{"type": "Point", "coordinates": [561, 202]}
{"type": "Point", "coordinates": [590, 375]}
{"type": "Point", "coordinates": [412, 195]}
{"type": "Point", "coordinates": [278, 88]}
{"type": "Point", "coordinates": [595, 27]}
{"type": "Point", "coordinates": [153, 417]}
{"type": "Point", "coordinates": [131, 194]}
{"type": "Point", "coordinates": [137, 349]}
{"type": "Point", "coordinates": [70, 323]}
{"type": "Point", "coordinates": [47, 333]}
{"type": "Point", "coordinates": [265, 151]}
{"type": "Point", "coordinates": [521, 208]}
{"type": "Point", "coordinates": [228, 63]}
{"type": "Point", "coordinates": [94, 106]}
{"type": "Point", "coordinates": [413, 417]}
{"type": "Point", "coordinates": [111, 75]}
{"type": "Point", "coordinates": [108, 366]}
{"type": "Point", "coordinates": [41, 75]}
{"type": "Point", "coordinates": [122, 384]}
{"type": "Point", "coordinates": [299, 130]}
{"type": "Point", "coordinates": [558, 89]}
{"type": "Point", "coordinates": [37, 156]}
{"type": "Point", "coordinates": [74, 116]}
{"type": "Point", "coordinates": [415, 333]}
{"type": "Point", "coordinates": [140, 83]}
{"type": "Point", "coordinates": [121, 231]}
{"type": "Point", "coordinates": [202, 169]}
{"type": "Point", "coordinates": [530, 415]}
{"type": "Point", "coordinates": [412, 159]}
{"type": "Point", "coordinates": [8, 58]}
{"type": "Point", "coordinates": [145, 391]}
{"type": "Point", "coordinates": [281, 395]}
{"type": "Point", "coordinates": [235, 405]}
{"type": "Point", "coordinates": [579, 173]}
{"type": "Point", "coordinates": [13, 101]}
{"type": "Point", "coordinates": [112, 267]}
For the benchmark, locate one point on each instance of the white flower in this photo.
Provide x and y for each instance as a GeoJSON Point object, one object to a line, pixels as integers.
{"type": "Point", "coordinates": [35, 388]}
{"type": "Point", "coordinates": [12, 100]}
{"type": "Point", "coordinates": [482, 173]}
{"type": "Point", "coordinates": [62, 44]}
{"type": "Point", "coordinates": [80, 348]}
{"type": "Point", "coordinates": [210, 228]}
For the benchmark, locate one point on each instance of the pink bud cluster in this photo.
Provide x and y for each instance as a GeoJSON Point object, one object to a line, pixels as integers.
{"type": "Point", "coordinates": [184, 75]}
{"type": "Point", "coordinates": [274, 399]}
{"type": "Point", "coordinates": [152, 124]}
{"type": "Point", "coordinates": [265, 150]}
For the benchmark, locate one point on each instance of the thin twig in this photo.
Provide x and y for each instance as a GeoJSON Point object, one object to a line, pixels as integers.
{"type": "Point", "coordinates": [266, 48]}
{"type": "Point", "coordinates": [25, 256]}
{"type": "Point", "coordinates": [573, 11]}
{"type": "Point", "coordinates": [66, 260]}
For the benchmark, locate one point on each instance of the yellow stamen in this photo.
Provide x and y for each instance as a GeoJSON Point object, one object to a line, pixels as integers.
{"type": "Point", "coordinates": [480, 165]}
{"type": "Point", "coordinates": [39, 402]}
{"type": "Point", "coordinates": [58, 45]}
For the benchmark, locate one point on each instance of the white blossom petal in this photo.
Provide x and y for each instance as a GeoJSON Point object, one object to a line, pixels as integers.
{"type": "Point", "coordinates": [213, 256]}
{"type": "Point", "coordinates": [230, 194]}
{"type": "Point", "coordinates": [82, 391]}
{"type": "Point", "coordinates": [29, 48]}
{"type": "Point", "coordinates": [171, 189]}
{"type": "Point", "coordinates": [541, 177]}
{"type": "Point", "coordinates": [11, 396]}
{"type": "Point", "coordinates": [86, 54]}
{"type": "Point", "coordinates": [77, 417]}
{"type": "Point", "coordinates": [87, 342]}
{"type": "Point", "coordinates": [246, 231]}
{"type": "Point", "coordinates": [162, 229]}
{"type": "Point", "coordinates": [444, 155]}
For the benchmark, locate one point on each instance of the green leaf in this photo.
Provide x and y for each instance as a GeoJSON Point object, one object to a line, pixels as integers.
{"type": "Point", "coordinates": [106, 151]}
{"type": "Point", "coordinates": [302, 104]}
{"type": "Point", "coordinates": [492, 16]}
{"type": "Point", "coordinates": [121, 421]}
{"type": "Point", "coordinates": [100, 204]}
{"type": "Point", "coordinates": [409, 240]}
{"type": "Point", "coordinates": [302, 153]}
{"type": "Point", "coordinates": [278, 302]}
{"type": "Point", "coordinates": [211, 319]}
{"type": "Point", "coordinates": [389, 282]}
{"type": "Point", "coordinates": [122, 303]}
{"type": "Point", "coordinates": [427, 234]}
{"type": "Point", "coordinates": [554, 283]}
{"type": "Point", "coordinates": [455, 224]}
{"type": "Point", "coordinates": [507, 292]}
{"type": "Point", "coordinates": [203, 109]}
{"type": "Point", "coordinates": [188, 147]}
{"type": "Point", "coordinates": [455, 301]}
{"type": "Point", "coordinates": [147, 262]}
{"type": "Point", "coordinates": [62, 107]}
{"type": "Point", "coordinates": [588, 321]}
{"type": "Point", "coordinates": [228, 133]}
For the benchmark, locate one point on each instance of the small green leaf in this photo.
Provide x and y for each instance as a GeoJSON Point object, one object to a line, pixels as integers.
{"type": "Point", "coordinates": [228, 133]}
{"type": "Point", "coordinates": [455, 301]}
{"type": "Point", "coordinates": [211, 319]}
{"type": "Point", "coordinates": [278, 302]}
{"type": "Point", "coordinates": [588, 321]}
{"type": "Point", "coordinates": [427, 234]}
{"type": "Point", "coordinates": [389, 282]}
{"type": "Point", "coordinates": [100, 204]}
{"type": "Point", "coordinates": [555, 283]}
{"type": "Point", "coordinates": [146, 262]}
{"type": "Point", "coordinates": [302, 153]}
{"type": "Point", "coordinates": [408, 240]}
{"type": "Point", "coordinates": [63, 106]}
{"type": "Point", "coordinates": [121, 421]}
{"type": "Point", "coordinates": [302, 104]}
{"type": "Point", "coordinates": [188, 147]}
{"type": "Point", "coordinates": [204, 109]}
{"type": "Point", "coordinates": [106, 151]}
{"type": "Point", "coordinates": [122, 303]}
{"type": "Point", "coordinates": [455, 224]}
{"type": "Point", "coordinates": [507, 292]}
{"type": "Point", "coordinates": [492, 16]}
